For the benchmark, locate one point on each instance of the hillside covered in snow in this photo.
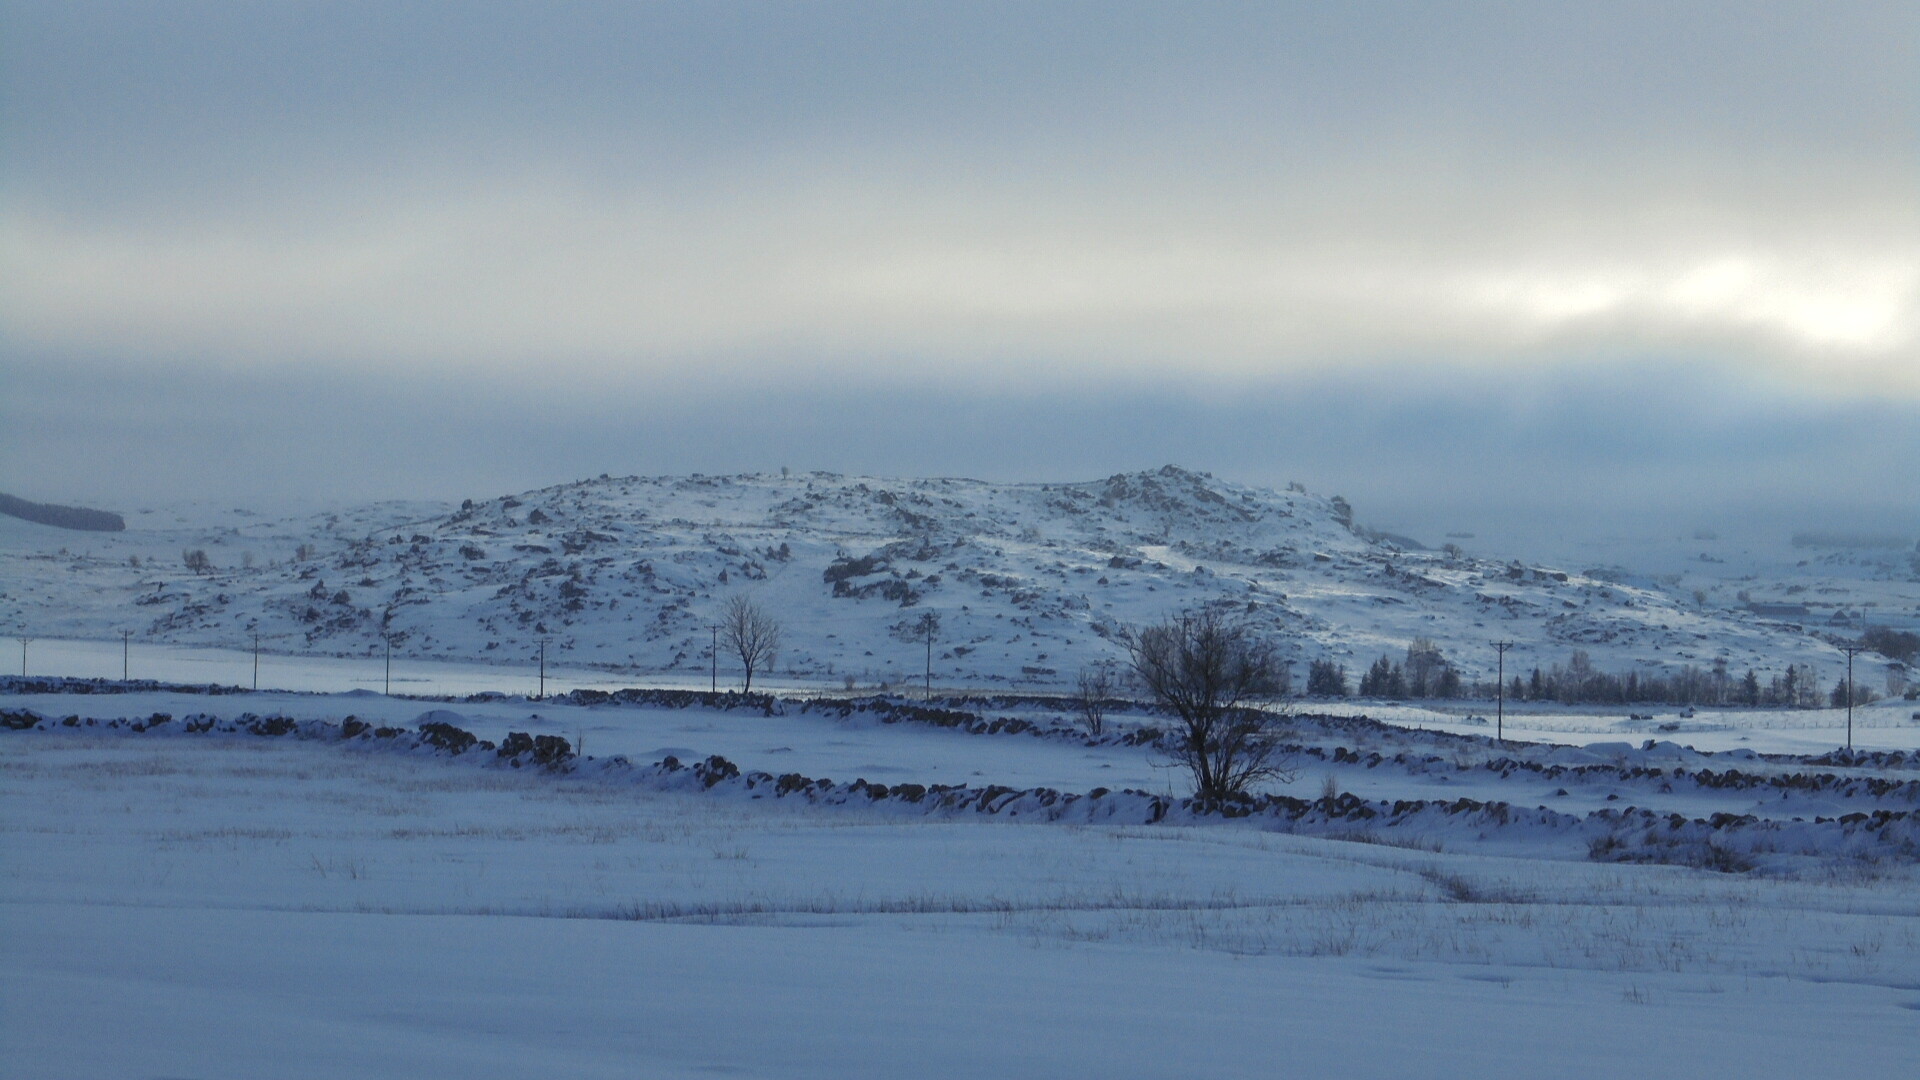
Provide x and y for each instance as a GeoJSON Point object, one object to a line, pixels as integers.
{"type": "Point", "coordinates": [1029, 582]}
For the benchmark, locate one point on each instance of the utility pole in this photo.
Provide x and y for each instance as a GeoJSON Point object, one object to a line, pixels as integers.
{"type": "Point", "coordinates": [543, 671]}
{"type": "Point", "coordinates": [126, 637]}
{"type": "Point", "coordinates": [256, 659]}
{"type": "Point", "coordinates": [1500, 685]}
{"type": "Point", "coordinates": [929, 625]}
{"type": "Point", "coordinates": [715, 657]}
{"type": "Point", "coordinates": [1850, 650]}
{"type": "Point", "coordinates": [23, 655]}
{"type": "Point", "coordinates": [389, 687]}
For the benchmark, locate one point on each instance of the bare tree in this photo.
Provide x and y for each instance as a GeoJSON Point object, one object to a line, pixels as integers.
{"type": "Point", "coordinates": [1206, 671]}
{"type": "Point", "coordinates": [751, 634]}
{"type": "Point", "coordinates": [1097, 686]}
{"type": "Point", "coordinates": [197, 561]}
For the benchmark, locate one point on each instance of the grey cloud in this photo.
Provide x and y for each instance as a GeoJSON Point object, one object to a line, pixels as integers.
{"type": "Point", "coordinates": [1431, 255]}
{"type": "Point", "coordinates": [206, 94]}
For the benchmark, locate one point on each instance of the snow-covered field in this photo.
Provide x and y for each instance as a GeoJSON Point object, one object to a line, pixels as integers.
{"type": "Point", "coordinates": [307, 673]}
{"type": "Point", "coordinates": [1883, 725]}
{"type": "Point", "coordinates": [460, 879]}
{"type": "Point", "coordinates": [231, 904]}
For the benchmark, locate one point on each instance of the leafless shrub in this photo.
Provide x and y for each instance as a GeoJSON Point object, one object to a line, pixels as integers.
{"type": "Point", "coordinates": [1097, 686]}
{"type": "Point", "coordinates": [1207, 671]}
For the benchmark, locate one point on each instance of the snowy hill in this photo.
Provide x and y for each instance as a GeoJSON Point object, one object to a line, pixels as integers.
{"type": "Point", "coordinates": [1029, 581]}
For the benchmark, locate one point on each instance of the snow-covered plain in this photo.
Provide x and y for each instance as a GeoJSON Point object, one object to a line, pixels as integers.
{"type": "Point", "coordinates": [196, 897]}
{"type": "Point", "coordinates": [237, 905]}
{"type": "Point", "coordinates": [1888, 724]}
{"type": "Point", "coordinates": [307, 673]}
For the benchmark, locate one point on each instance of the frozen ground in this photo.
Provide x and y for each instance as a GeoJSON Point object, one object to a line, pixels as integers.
{"type": "Point", "coordinates": [1884, 725]}
{"type": "Point", "coordinates": [305, 674]}
{"type": "Point", "coordinates": [215, 905]}
{"type": "Point", "coordinates": [977, 890]}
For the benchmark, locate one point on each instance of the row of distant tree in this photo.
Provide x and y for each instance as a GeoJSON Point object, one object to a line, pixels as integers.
{"type": "Point", "coordinates": [62, 517]}
{"type": "Point", "coordinates": [198, 561]}
{"type": "Point", "coordinates": [1426, 673]}
{"type": "Point", "coordinates": [1900, 645]}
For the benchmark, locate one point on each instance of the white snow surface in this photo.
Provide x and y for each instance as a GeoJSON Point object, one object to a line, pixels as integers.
{"type": "Point", "coordinates": [1888, 724]}
{"type": "Point", "coordinates": [193, 900]}
{"type": "Point", "coordinates": [229, 905]}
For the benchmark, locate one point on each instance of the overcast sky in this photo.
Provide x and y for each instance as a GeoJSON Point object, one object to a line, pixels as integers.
{"type": "Point", "coordinates": [1651, 260]}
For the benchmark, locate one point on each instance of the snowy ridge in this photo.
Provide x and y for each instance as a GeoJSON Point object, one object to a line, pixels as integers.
{"type": "Point", "coordinates": [1030, 582]}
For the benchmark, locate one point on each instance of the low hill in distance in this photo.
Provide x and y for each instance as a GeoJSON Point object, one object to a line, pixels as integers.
{"type": "Point", "coordinates": [1029, 582]}
{"type": "Point", "coordinates": [62, 517]}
